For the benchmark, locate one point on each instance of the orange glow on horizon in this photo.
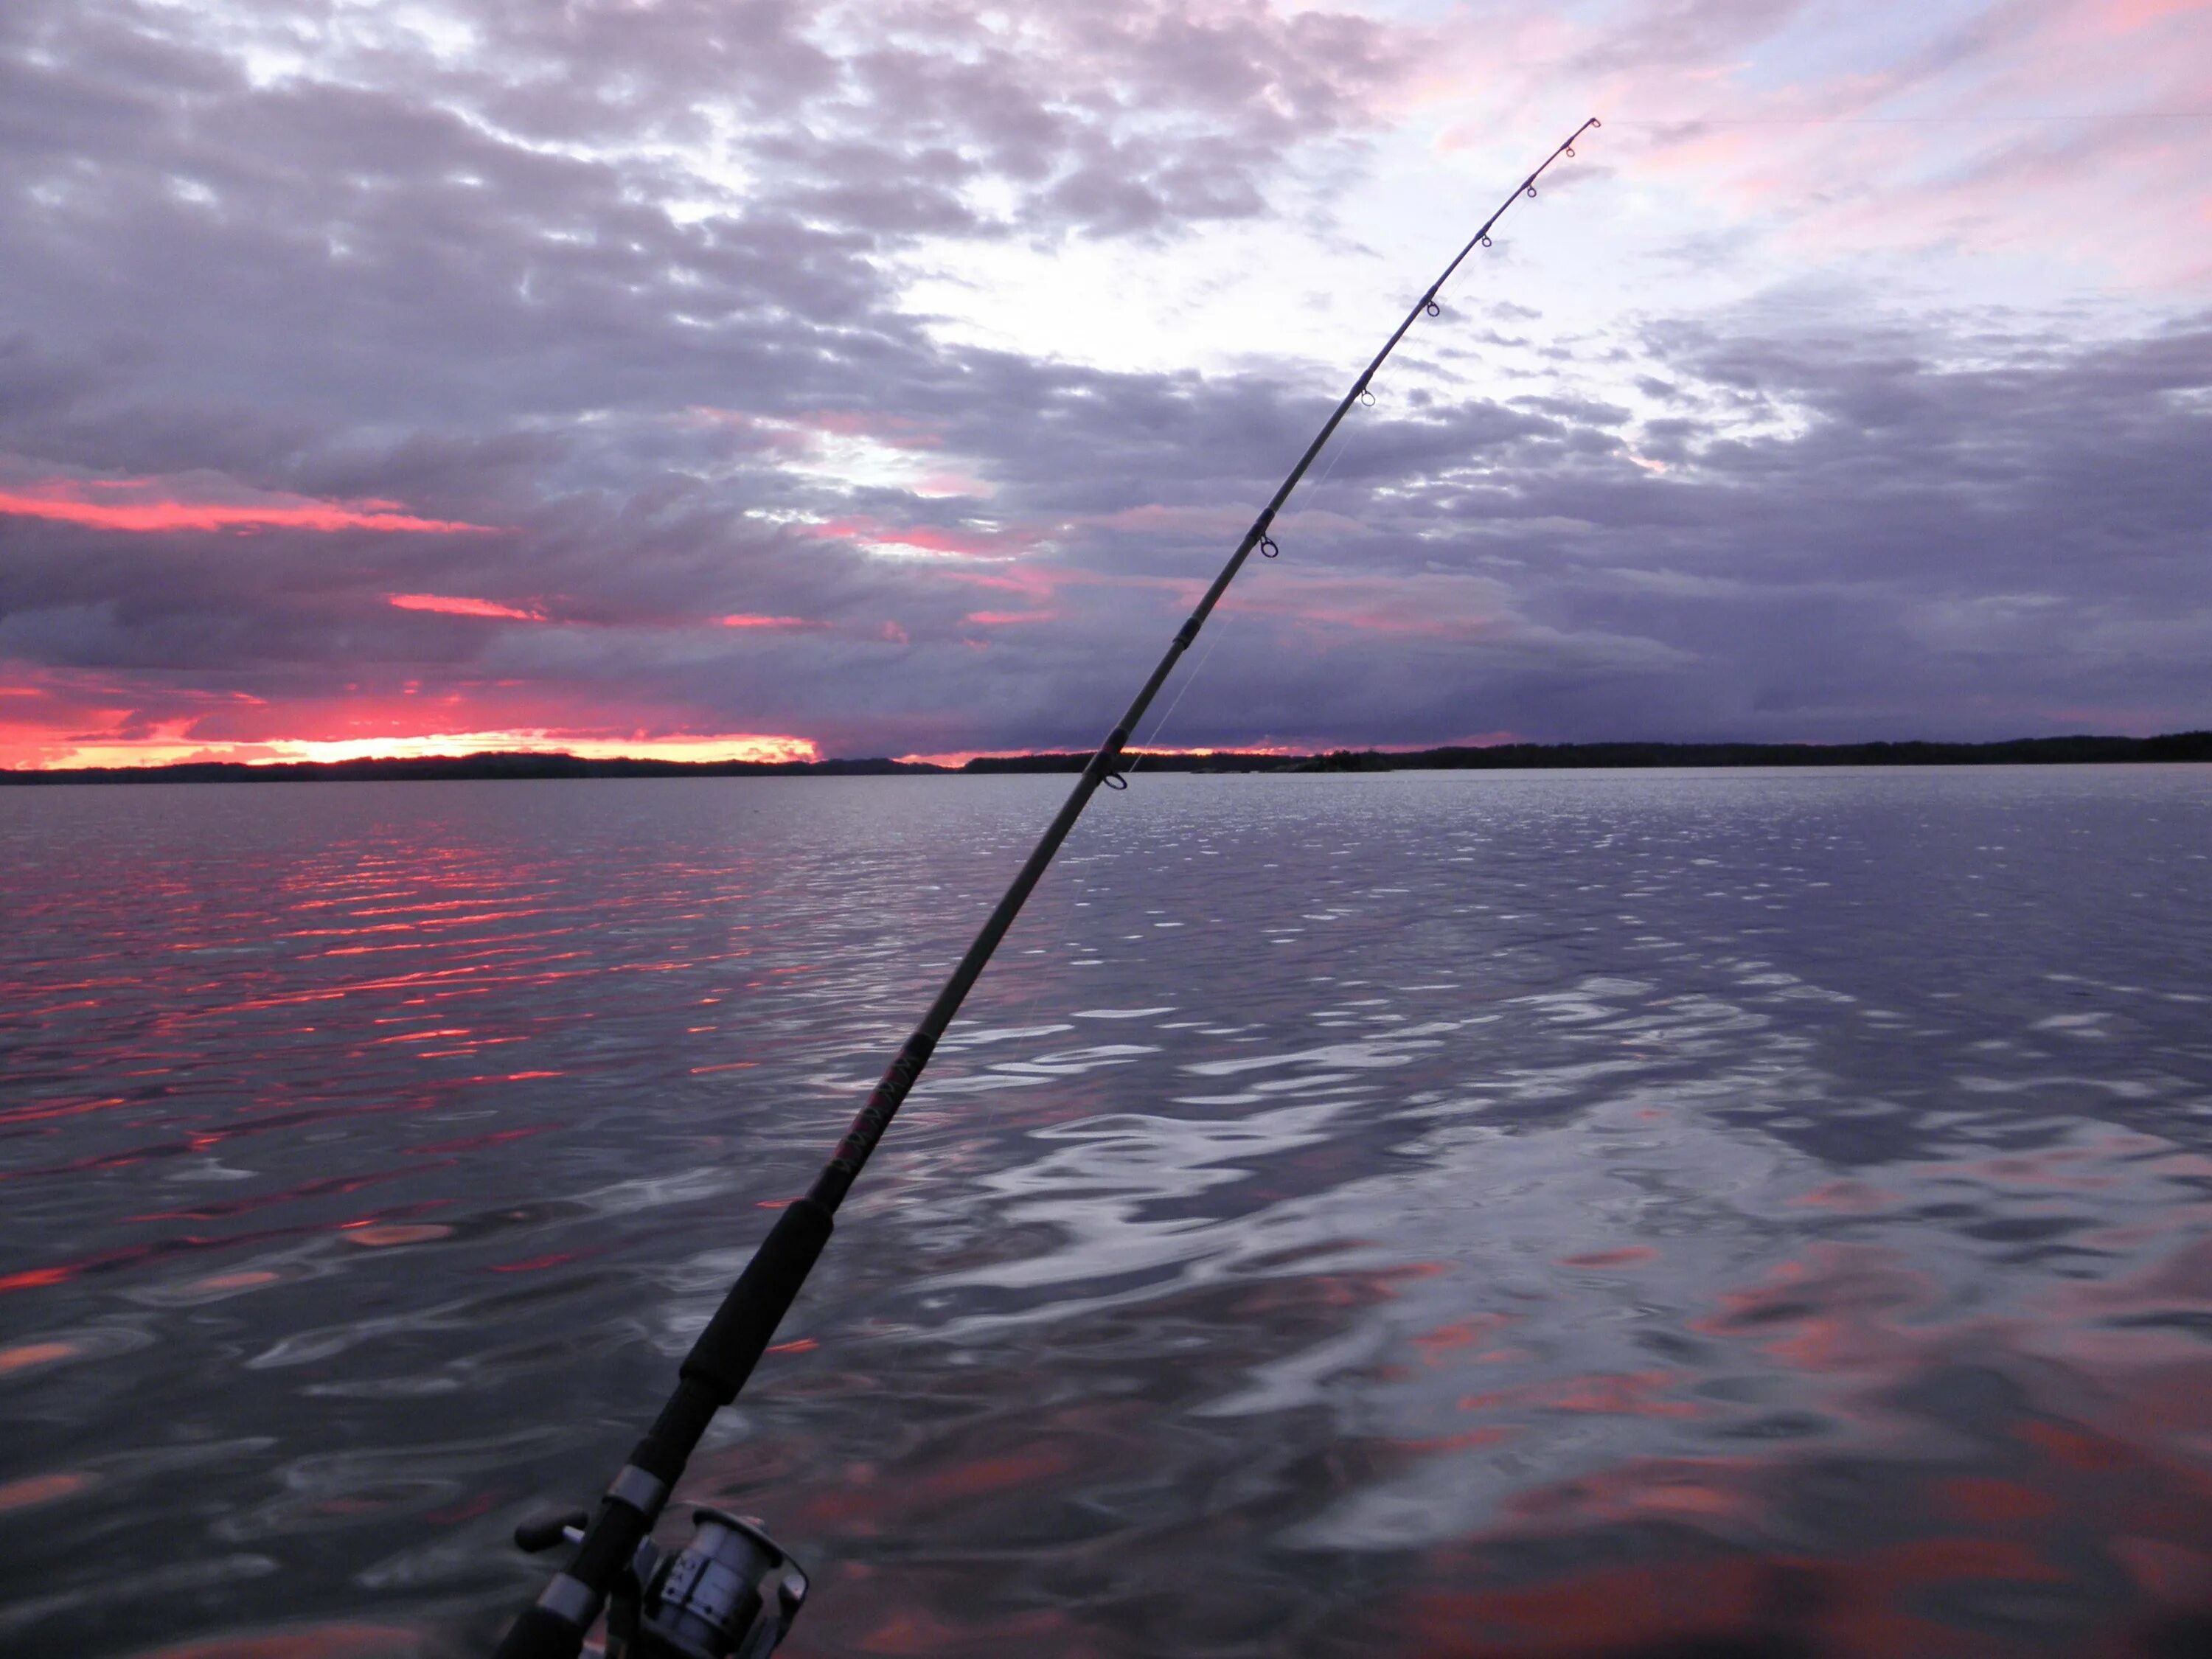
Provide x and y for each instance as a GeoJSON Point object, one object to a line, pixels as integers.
{"type": "Point", "coordinates": [54, 719]}
{"type": "Point", "coordinates": [741, 619]}
{"type": "Point", "coordinates": [169, 742]}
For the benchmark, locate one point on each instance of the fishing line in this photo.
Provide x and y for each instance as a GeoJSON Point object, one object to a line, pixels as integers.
{"type": "Point", "coordinates": [1191, 677]}
{"type": "Point", "coordinates": [714, 1595]}
{"type": "Point", "coordinates": [1188, 680]}
{"type": "Point", "coordinates": [1213, 642]}
{"type": "Point", "coordinates": [1335, 456]}
{"type": "Point", "coordinates": [1904, 120]}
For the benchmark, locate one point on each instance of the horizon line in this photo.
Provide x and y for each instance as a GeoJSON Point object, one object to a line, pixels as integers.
{"type": "Point", "coordinates": [524, 764]}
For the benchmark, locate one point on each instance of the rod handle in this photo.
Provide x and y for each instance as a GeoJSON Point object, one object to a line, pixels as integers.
{"type": "Point", "coordinates": [743, 1327]}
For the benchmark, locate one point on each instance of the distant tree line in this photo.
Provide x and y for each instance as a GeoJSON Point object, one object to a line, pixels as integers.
{"type": "Point", "coordinates": [1525, 757]}
{"type": "Point", "coordinates": [1504, 756]}
{"type": "Point", "coordinates": [449, 767]}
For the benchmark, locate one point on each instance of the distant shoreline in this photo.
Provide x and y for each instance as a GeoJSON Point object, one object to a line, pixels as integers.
{"type": "Point", "coordinates": [1498, 758]}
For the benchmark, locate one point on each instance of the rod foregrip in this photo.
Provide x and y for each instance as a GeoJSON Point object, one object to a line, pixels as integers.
{"type": "Point", "coordinates": [714, 1372]}
{"type": "Point", "coordinates": [742, 1327]}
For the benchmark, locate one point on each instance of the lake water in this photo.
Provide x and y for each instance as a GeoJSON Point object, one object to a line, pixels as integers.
{"type": "Point", "coordinates": [1729, 1213]}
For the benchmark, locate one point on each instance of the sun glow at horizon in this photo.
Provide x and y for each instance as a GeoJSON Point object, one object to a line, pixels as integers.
{"type": "Point", "coordinates": [697, 747]}
{"type": "Point", "coordinates": [170, 745]}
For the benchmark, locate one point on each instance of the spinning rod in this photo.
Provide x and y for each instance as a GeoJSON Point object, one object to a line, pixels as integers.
{"type": "Point", "coordinates": [711, 1600]}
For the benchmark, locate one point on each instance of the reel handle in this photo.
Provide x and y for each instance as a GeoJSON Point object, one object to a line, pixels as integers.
{"type": "Point", "coordinates": [732, 1592]}
{"type": "Point", "coordinates": [542, 1532]}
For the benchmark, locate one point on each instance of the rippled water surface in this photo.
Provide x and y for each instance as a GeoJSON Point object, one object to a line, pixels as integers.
{"type": "Point", "coordinates": [1437, 1214]}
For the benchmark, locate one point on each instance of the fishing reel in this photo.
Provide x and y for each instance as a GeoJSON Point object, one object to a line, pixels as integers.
{"type": "Point", "coordinates": [731, 1593]}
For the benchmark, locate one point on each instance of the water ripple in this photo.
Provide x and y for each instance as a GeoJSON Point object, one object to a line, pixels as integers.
{"type": "Point", "coordinates": [1455, 1215]}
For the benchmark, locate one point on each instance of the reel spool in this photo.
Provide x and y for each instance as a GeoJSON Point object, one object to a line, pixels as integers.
{"type": "Point", "coordinates": [731, 1593]}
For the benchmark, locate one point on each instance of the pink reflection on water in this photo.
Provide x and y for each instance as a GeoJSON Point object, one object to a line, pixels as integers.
{"type": "Point", "coordinates": [184, 1245]}
{"type": "Point", "coordinates": [306, 1641]}
{"type": "Point", "coordinates": [2062, 1510]}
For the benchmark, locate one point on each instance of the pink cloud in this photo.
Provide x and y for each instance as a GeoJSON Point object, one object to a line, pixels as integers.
{"type": "Point", "coordinates": [802, 437]}
{"type": "Point", "coordinates": [977, 541]}
{"type": "Point", "coordinates": [2125, 16]}
{"type": "Point", "coordinates": [2064, 128]}
{"type": "Point", "coordinates": [1432, 606]}
{"type": "Point", "coordinates": [777, 437]}
{"type": "Point", "coordinates": [1155, 520]}
{"type": "Point", "coordinates": [454, 606]}
{"type": "Point", "coordinates": [937, 485]}
{"type": "Point", "coordinates": [1029, 580]}
{"type": "Point", "coordinates": [892, 431]}
{"type": "Point", "coordinates": [150, 505]}
{"type": "Point", "coordinates": [741, 619]}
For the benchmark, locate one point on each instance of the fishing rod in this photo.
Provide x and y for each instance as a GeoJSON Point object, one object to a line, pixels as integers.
{"type": "Point", "coordinates": [711, 1600]}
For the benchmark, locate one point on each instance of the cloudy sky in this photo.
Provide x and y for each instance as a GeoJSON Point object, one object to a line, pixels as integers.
{"type": "Point", "coordinates": [713, 377]}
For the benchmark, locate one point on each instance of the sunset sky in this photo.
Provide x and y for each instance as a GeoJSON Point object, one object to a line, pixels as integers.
{"type": "Point", "coordinates": [705, 377]}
